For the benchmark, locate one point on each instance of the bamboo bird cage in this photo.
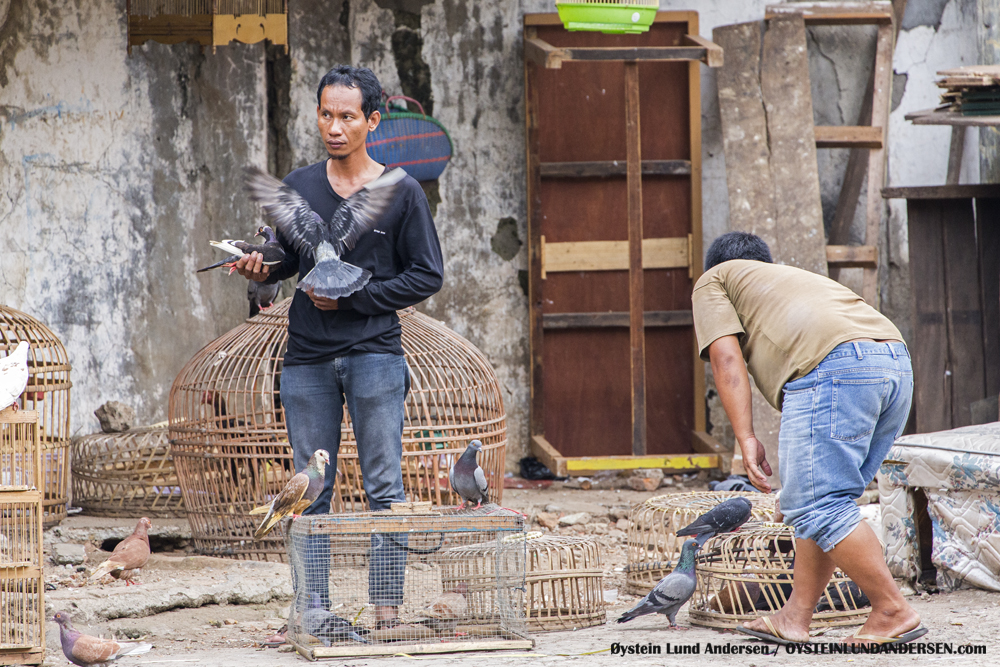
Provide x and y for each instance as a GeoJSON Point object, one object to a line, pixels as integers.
{"type": "Point", "coordinates": [22, 602]}
{"type": "Point", "coordinates": [126, 474]}
{"type": "Point", "coordinates": [207, 22]}
{"type": "Point", "coordinates": [564, 583]}
{"type": "Point", "coordinates": [653, 545]}
{"type": "Point", "coordinates": [748, 574]}
{"type": "Point", "coordinates": [47, 394]}
{"type": "Point", "coordinates": [231, 450]}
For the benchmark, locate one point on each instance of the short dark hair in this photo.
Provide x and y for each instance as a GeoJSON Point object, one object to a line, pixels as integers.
{"type": "Point", "coordinates": [737, 245]}
{"type": "Point", "coordinates": [361, 78]}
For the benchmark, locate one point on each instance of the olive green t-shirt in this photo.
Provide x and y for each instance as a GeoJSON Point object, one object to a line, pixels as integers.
{"type": "Point", "coordinates": [787, 319]}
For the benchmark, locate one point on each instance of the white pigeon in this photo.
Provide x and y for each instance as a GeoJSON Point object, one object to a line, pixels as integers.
{"type": "Point", "coordinates": [13, 375]}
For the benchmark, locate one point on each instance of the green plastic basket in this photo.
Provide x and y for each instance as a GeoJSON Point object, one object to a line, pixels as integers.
{"type": "Point", "coordinates": [615, 18]}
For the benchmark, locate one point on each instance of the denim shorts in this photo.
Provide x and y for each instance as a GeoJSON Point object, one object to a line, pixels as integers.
{"type": "Point", "coordinates": [837, 424]}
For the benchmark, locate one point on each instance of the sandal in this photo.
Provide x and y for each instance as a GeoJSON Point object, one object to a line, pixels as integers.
{"type": "Point", "coordinates": [774, 637]}
{"type": "Point", "coordinates": [277, 639]}
{"type": "Point", "coordinates": [904, 638]}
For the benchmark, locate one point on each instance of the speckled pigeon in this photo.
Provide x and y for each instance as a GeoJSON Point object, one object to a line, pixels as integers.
{"type": "Point", "coordinates": [467, 478]}
{"type": "Point", "coordinates": [261, 296]}
{"type": "Point", "coordinates": [326, 626]}
{"type": "Point", "coordinates": [129, 555]}
{"type": "Point", "coordinates": [668, 596]}
{"type": "Point", "coordinates": [271, 250]}
{"type": "Point", "coordinates": [13, 375]}
{"type": "Point", "coordinates": [325, 242]}
{"type": "Point", "coordinates": [299, 493]}
{"type": "Point", "coordinates": [725, 517]}
{"type": "Point", "coordinates": [85, 650]}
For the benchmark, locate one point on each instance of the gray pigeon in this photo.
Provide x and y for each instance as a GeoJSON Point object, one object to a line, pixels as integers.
{"type": "Point", "coordinates": [326, 626]}
{"type": "Point", "coordinates": [261, 296]}
{"type": "Point", "coordinates": [467, 478]}
{"type": "Point", "coordinates": [725, 517]}
{"type": "Point", "coordinates": [270, 249]}
{"type": "Point", "coordinates": [324, 242]}
{"type": "Point", "coordinates": [668, 596]}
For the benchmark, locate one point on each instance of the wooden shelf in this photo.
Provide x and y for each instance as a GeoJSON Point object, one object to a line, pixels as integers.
{"type": "Point", "coordinates": [613, 168]}
{"type": "Point", "coordinates": [563, 466]}
{"type": "Point", "coordinates": [836, 13]}
{"type": "Point", "coordinates": [934, 117]}
{"type": "Point", "coordinates": [542, 53]}
{"type": "Point", "coordinates": [650, 318]}
{"type": "Point", "coordinates": [672, 253]}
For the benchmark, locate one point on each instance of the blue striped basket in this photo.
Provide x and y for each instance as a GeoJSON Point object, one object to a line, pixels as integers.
{"type": "Point", "coordinates": [414, 141]}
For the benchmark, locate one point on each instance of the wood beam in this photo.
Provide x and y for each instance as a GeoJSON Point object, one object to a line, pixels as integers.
{"type": "Point", "coordinates": [636, 298]}
{"type": "Point", "coordinates": [713, 52]}
{"type": "Point", "coordinates": [651, 318]}
{"type": "Point", "coordinates": [613, 168]}
{"type": "Point", "coordinates": [848, 136]}
{"type": "Point", "coordinates": [852, 256]}
{"type": "Point", "coordinates": [542, 53]}
{"type": "Point", "coordinates": [611, 255]}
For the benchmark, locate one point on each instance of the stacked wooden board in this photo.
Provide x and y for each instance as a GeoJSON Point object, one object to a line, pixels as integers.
{"type": "Point", "coordinates": [971, 91]}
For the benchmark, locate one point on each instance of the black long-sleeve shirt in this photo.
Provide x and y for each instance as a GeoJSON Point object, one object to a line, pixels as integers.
{"type": "Point", "coordinates": [404, 257]}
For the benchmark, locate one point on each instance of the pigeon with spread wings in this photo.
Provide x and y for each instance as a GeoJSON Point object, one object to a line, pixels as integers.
{"type": "Point", "coordinates": [325, 242]}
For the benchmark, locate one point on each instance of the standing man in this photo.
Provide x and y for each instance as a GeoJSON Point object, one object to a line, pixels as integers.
{"type": "Point", "coordinates": [349, 348]}
{"type": "Point", "coordinates": [840, 374]}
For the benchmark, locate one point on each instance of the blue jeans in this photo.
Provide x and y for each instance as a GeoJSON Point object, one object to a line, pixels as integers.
{"type": "Point", "coordinates": [837, 424]}
{"type": "Point", "coordinates": [375, 388]}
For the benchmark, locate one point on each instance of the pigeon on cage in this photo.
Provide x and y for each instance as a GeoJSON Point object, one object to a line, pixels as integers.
{"type": "Point", "coordinates": [668, 596]}
{"type": "Point", "coordinates": [725, 517]}
{"type": "Point", "coordinates": [129, 556]}
{"type": "Point", "coordinates": [261, 296]}
{"type": "Point", "coordinates": [85, 650]}
{"type": "Point", "coordinates": [467, 477]}
{"type": "Point", "coordinates": [299, 493]}
{"type": "Point", "coordinates": [325, 242]}
{"type": "Point", "coordinates": [271, 250]}
{"type": "Point", "coordinates": [13, 375]}
{"type": "Point", "coordinates": [443, 614]}
{"type": "Point", "coordinates": [327, 626]}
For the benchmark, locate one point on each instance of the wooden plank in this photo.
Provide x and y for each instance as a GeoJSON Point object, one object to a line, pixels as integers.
{"type": "Point", "coordinates": [9, 416]}
{"type": "Point", "coordinates": [636, 295]}
{"type": "Point", "coordinates": [847, 256]}
{"type": "Point", "coordinates": [784, 83]}
{"type": "Point", "coordinates": [583, 465]}
{"type": "Point", "coordinates": [714, 56]}
{"type": "Point", "coordinates": [704, 443]}
{"type": "Point", "coordinates": [535, 247]}
{"type": "Point", "coordinates": [613, 168]}
{"type": "Point", "coordinates": [612, 255]}
{"type": "Point", "coordinates": [655, 318]}
{"type": "Point", "coordinates": [544, 54]}
{"type": "Point", "coordinates": [848, 136]}
{"type": "Point", "coordinates": [548, 455]}
{"type": "Point", "coordinates": [359, 650]}
{"type": "Point", "coordinates": [933, 117]}
{"type": "Point", "coordinates": [881, 97]}
{"type": "Point", "coordinates": [931, 375]}
{"type": "Point", "coordinates": [835, 13]}
{"type": "Point", "coordinates": [988, 242]}
{"type": "Point", "coordinates": [972, 191]}
{"type": "Point", "coordinates": [695, 246]}
{"type": "Point", "coordinates": [955, 151]}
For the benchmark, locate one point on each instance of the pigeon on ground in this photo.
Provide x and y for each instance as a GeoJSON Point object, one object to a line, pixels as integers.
{"type": "Point", "coordinates": [129, 556]}
{"type": "Point", "coordinates": [467, 478]}
{"type": "Point", "coordinates": [443, 614]}
{"type": "Point", "coordinates": [85, 650]}
{"type": "Point", "coordinates": [13, 375]}
{"type": "Point", "coordinates": [271, 250]}
{"type": "Point", "coordinates": [261, 296]}
{"type": "Point", "coordinates": [734, 483]}
{"type": "Point", "coordinates": [668, 596]}
{"type": "Point", "coordinates": [300, 492]}
{"type": "Point", "coordinates": [325, 242]}
{"type": "Point", "coordinates": [326, 626]}
{"type": "Point", "coordinates": [725, 517]}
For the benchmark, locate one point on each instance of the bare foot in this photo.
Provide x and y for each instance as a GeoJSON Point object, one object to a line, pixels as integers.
{"type": "Point", "coordinates": [887, 624]}
{"type": "Point", "coordinates": [788, 627]}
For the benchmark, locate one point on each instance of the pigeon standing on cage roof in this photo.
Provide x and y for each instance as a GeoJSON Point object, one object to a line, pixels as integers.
{"type": "Point", "coordinates": [129, 556]}
{"type": "Point", "coordinates": [270, 249]}
{"type": "Point", "coordinates": [13, 375]}
{"type": "Point", "coordinates": [299, 493]}
{"type": "Point", "coordinates": [725, 517]}
{"type": "Point", "coordinates": [85, 650]}
{"type": "Point", "coordinates": [668, 596]}
{"type": "Point", "coordinates": [467, 477]}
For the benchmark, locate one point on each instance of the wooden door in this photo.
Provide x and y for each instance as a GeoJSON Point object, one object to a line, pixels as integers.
{"type": "Point", "coordinates": [582, 383]}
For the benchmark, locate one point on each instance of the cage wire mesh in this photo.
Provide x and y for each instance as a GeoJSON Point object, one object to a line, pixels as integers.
{"type": "Point", "coordinates": [22, 604]}
{"type": "Point", "coordinates": [454, 578]}
{"type": "Point", "coordinates": [126, 474]}
{"type": "Point", "coordinates": [748, 574]}
{"type": "Point", "coordinates": [653, 545]}
{"type": "Point", "coordinates": [47, 394]}
{"type": "Point", "coordinates": [231, 451]}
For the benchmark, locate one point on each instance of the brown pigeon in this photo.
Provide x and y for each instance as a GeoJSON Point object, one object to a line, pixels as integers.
{"type": "Point", "coordinates": [85, 650]}
{"type": "Point", "coordinates": [300, 492]}
{"type": "Point", "coordinates": [444, 613]}
{"type": "Point", "coordinates": [129, 556]}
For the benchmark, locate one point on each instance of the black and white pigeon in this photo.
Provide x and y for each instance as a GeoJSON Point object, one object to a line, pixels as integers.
{"type": "Point", "coordinates": [327, 626]}
{"type": "Point", "coordinates": [668, 596]}
{"type": "Point", "coordinates": [271, 250]}
{"type": "Point", "coordinates": [13, 375]}
{"type": "Point", "coordinates": [325, 242]}
{"type": "Point", "coordinates": [261, 296]}
{"type": "Point", "coordinates": [467, 477]}
{"type": "Point", "coordinates": [725, 517]}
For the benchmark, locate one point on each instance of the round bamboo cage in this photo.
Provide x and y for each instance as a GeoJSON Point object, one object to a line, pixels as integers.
{"type": "Point", "coordinates": [748, 574]}
{"type": "Point", "coordinates": [48, 394]}
{"type": "Point", "coordinates": [126, 474]}
{"type": "Point", "coordinates": [564, 583]}
{"type": "Point", "coordinates": [653, 545]}
{"type": "Point", "coordinates": [231, 450]}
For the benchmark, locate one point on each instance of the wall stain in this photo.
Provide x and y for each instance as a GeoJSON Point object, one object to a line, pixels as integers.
{"type": "Point", "coordinates": [505, 241]}
{"type": "Point", "coordinates": [11, 31]}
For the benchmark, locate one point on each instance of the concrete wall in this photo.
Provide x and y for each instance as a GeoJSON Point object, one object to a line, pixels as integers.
{"type": "Point", "coordinates": [116, 170]}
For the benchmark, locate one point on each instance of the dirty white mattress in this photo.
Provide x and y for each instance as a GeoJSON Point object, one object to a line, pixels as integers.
{"type": "Point", "coordinates": [959, 471]}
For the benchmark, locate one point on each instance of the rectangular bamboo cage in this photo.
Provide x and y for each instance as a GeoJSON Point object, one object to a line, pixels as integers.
{"type": "Point", "coordinates": [207, 22]}
{"type": "Point", "coordinates": [22, 604]}
{"type": "Point", "coordinates": [456, 577]}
